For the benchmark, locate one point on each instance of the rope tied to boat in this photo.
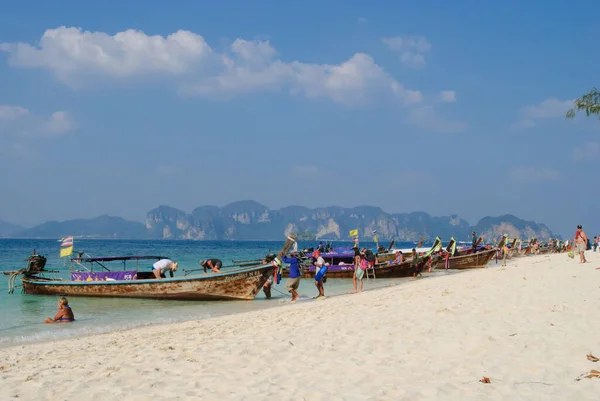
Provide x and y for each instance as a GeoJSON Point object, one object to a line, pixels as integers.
{"type": "Point", "coordinates": [11, 280]}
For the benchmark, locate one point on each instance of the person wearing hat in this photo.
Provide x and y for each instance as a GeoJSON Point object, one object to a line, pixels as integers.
{"type": "Point", "coordinates": [581, 240]}
{"type": "Point", "coordinates": [212, 264]}
{"type": "Point", "coordinates": [161, 267]}
{"type": "Point", "coordinates": [474, 242]}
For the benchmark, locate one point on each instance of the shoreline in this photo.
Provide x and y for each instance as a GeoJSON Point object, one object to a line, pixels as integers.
{"type": "Point", "coordinates": [269, 304]}
{"type": "Point", "coordinates": [528, 327]}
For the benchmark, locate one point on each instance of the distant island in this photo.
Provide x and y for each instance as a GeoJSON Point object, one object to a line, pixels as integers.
{"type": "Point", "coordinates": [250, 220]}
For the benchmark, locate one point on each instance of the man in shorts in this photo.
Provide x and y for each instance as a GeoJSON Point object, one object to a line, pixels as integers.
{"type": "Point", "coordinates": [581, 240]}
{"type": "Point", "coordinates": [416, 266]}
{"type": "Point", "coordinates": [319, 264]}
{"type": "Point", "coordinates": [293, 281]}
{"type": "Point", "coordinates": [272, 279]}
{"type": "Point", "coordinates": [162, 266]}
{"type": "Point", "coordinates": [213, 264]}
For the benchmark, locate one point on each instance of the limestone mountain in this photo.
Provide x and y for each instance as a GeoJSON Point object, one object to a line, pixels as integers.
{"type": "Point", "coordinates": [250, 220]}
{"type": "Point", "coordinates": [9, 230]}
{"type": "Point", "coordinates": [514, 227]}
{"type": "Point", "coordinates": [100, 227]}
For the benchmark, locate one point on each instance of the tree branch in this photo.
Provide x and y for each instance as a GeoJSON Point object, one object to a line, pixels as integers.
{"type": "Point", "coordinates": [590, 103]}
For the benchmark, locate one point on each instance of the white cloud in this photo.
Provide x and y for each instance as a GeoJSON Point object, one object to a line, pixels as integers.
{"type": "Point", "coordinates": [412, 49]}
{"type": "Point", "coordinates": [253, 66]}
{"type": "Point", "coordinates": [448, 96]}
{"type": "Point", "coordinates": [76, 56]}
{"type": "Point", "coordinates": [426, 118]}
{"type": "Point", "coordinates": [536, 174]}
{"type": "Point", "coordinates": [18, 121]}
{"type": "Point", "coordinates": [549, 108]}
{"type": "Point", "coordinates": [67, 51]}
{"type": "Point", "coordinates": [12, 112]}
{"type": "Point", "coordinates": [588, 151]}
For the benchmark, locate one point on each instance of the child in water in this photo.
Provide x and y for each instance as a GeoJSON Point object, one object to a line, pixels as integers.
{"type": "Point", "coordinates": [65, 313]}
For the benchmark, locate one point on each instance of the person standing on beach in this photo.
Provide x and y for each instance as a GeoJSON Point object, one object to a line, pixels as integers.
{"type": "Point", "coordinates": [272, 279]}
{"type": "Point", "coordinates": [356, 250]}
{"type": "Point", "coordinates": [293, 281]}
{"type": "Point", "coordinates": [415, 264]}
{"type": "Point", "coordinates": [504, 253]}
{"type": "Point", "coordinates": [319, 264]}
{"type": "Point", "coordinates": [581, 240]}
{"type": "Point", "coordinates": [359, 273]}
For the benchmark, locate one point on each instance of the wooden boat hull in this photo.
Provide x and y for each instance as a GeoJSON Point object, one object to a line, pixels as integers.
{"type": "Point", "coordinates": [241, 284]}
{"type": "Point", "coordinates": [470, 261]}
{"type": "Point", "coordinates": [403, 269]}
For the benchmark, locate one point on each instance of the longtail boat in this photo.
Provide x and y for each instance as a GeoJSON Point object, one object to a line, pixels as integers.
{"type": "Point", "coordinates": [385, 269]}
{"type": "Point", "coordinates": [469, 261]}
{"type": "Point", "coordinates": [241, 284]}
{"type": "Point", "coordinates": [382, 270]}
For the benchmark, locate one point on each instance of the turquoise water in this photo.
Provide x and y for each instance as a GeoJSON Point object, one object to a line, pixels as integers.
{"type": "Point", "coordinates": [23, 314]}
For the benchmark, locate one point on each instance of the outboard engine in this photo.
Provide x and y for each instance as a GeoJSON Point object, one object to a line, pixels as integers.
{"type": "Point", "coordinates": [35, 263]}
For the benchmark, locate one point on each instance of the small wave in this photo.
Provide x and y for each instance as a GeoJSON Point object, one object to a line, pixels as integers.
{"type": "Point", "coordinates": [78, 328]}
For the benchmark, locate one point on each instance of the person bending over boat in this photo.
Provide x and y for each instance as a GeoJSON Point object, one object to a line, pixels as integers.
{"type": "Point", "coordinates": [212, 264]}
{"type": "Point", "coordinates": [65, 313]}
{"type": "Point", "coordinates": [162, 266]}
{"type": "Point", "coordinates": [293, 281]}
{"type": "Point", "coordinates": [371, 258]}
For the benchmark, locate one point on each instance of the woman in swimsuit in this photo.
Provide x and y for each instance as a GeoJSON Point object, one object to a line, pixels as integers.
{"type": "Point", "coordinates": [65, 313]}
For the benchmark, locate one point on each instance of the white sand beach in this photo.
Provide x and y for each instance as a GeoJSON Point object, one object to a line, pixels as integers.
{"type": "Point", "coordinates": [527, 327]}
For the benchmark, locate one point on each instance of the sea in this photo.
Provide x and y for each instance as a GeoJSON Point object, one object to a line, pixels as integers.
{"type": "Point", "coordinates": [23, 315]}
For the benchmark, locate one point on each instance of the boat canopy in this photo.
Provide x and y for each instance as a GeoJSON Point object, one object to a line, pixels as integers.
{"type": "Point", "coordinates": [113, 258]}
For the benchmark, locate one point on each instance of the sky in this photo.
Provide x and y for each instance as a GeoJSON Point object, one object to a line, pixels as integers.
{"type": "Point", "coordinates": [444, 107]}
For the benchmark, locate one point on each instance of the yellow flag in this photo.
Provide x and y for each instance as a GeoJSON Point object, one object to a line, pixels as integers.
{"type": "Point", "coordinates": [354, 233]}
{"type": "Point", "coordinates": [66, 251]}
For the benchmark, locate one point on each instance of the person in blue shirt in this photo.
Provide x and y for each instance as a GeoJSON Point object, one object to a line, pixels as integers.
{"type": "Point", "coordinates": [294, 280]}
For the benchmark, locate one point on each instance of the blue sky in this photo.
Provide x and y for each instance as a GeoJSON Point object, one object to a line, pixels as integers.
{"type": "Point", "coordinates": [437, 106]}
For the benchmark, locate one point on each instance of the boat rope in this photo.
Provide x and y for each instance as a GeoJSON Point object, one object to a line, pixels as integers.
{"type": "Point", "coordinates": [282, 293]}
{"type": "Point", "coordinates": [11, 282]}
